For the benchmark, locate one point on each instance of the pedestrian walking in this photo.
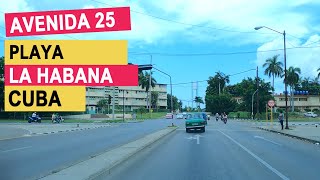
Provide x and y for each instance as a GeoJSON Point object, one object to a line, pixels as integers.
{"type": "Point", "coordinates": [281, 119]}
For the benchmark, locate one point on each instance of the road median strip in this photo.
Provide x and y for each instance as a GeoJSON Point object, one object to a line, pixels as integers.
{"type": "Point", "coordinates": [105, 162]}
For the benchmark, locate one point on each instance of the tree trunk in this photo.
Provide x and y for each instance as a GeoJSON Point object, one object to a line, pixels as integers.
{"type": "Point", "coordinates": [273, 83]}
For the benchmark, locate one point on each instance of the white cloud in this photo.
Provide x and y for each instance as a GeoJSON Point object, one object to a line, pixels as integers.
{"type": "Point", "coordinates": [307, 59]}
{"type": "Point", "coordinates": [14, 6]}
{"type": "Point", "coordinates": [238, 15]}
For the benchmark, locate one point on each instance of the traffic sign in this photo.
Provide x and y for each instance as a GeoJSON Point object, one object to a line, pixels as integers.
{"type": "Point", "coordinates": [271, 103]}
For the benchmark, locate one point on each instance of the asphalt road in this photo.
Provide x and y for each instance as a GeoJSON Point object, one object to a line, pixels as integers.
{"type": "Point", "coordinates": [35, 156]}
{"type": "Point", "coordinates": [231, 151]}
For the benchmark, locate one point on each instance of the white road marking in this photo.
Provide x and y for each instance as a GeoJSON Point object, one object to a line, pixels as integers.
{"type": "Point", "coordinates": [259, 137]}
{"type": "Point", "coordinates": [197, 137]}
{"type": "Point", "coordinates": [16, 149]}
{"type": "Point", "coordinates": [257, 158]}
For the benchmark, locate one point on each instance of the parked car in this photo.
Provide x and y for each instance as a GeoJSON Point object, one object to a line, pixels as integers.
{"type": "Point", "coordinates": [169, 116]}
{"type": "Point", "coordinates": [195, 122]}
{"type": "Point", "coordinates": [179, 116]}
{"type": "Point", "coordinates": [310, 114]}
{"type": "Point", "coordinates": [184, 115]}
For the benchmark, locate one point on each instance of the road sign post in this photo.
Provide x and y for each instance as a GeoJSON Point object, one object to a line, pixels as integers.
{"type": "Point", "coordinates": [271, 105]}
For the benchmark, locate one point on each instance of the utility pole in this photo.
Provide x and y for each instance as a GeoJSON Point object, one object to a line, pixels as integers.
{"type": "Point", "coordinates": [198, 104]}
{"type": "Point", "coordinates": [150, 87]}
{"type": "Point", "coordinates": [113, 96]}
{"type": "Point", "coordinates": [192, 95]}
{"type": "Point", "coordinates": [257, 91]}
{"type": "Point", "coordinates": [285, 77]}
{"type": "Point", "coordinates": [123, 105]}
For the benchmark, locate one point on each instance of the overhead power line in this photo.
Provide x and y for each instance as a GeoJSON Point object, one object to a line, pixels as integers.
{"type": "Point", "coordinates": [208, 79]}
{"type": "Point", "coordinates": [183, 23]}
{"type": "Point", "coordinates": [218, 53]}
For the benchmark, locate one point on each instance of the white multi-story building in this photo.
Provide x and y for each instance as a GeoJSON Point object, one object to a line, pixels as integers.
{"type": "Point", "coordinates": [301, 102]}
{"type": "Point", "coordinates": [129, 97]}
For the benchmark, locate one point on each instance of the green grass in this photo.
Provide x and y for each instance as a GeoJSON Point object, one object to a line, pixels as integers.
{"type": "Point", "coordinates": [155, 115]}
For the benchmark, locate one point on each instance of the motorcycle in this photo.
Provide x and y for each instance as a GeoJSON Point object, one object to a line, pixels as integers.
{"type": "Point", "coordinates": [57, 119]}
{"type": "Point", "coordinates": [34, 119]}
{"type": "Point", "coordinates": [225, 120]}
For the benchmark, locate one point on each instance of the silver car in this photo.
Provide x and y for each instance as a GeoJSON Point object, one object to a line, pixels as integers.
{"type": "Point", "coordinates": [310, 114]}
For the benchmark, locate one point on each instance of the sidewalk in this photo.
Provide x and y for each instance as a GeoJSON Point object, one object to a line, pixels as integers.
{"type": "Point", "coordinates": [309, 133]}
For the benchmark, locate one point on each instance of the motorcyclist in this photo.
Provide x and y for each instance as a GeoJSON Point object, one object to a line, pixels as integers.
{"type": "Point", "coordinates": [217, 116]}
{"type": "Point", "coordinates": [34, 116]}
{"type": "Point", "coordinates": [53, 117]}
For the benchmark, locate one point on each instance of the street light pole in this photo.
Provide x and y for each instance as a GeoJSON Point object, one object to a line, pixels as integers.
{"type": "Point", "coordinates": [252, 103]}
{"type": "Point", "coordinates": [285, 68]}
{"type": "Point", "coordinates": [285, 77]}
{"type": "Point", "coordinates": [170, 87]}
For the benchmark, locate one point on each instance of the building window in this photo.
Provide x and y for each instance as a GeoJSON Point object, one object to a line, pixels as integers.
{"type": "Point", "coordinates": [282, 99]}
{"type": "Point", "coordinates": [303, 99]}
{"type": "Point", "coordinates": [136, 92]}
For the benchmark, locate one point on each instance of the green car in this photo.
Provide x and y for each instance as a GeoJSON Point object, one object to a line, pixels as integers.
{"type": "Point", "coordinates": [195, 122]}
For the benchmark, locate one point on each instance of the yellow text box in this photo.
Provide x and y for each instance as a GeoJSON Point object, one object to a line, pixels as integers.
{"type": "Point", "coordinates": [74, 52]}
{"type": "Point", "coordinates": [72, 98]}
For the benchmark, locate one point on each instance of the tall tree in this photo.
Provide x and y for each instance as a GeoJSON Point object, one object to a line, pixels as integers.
{"type": "Point", "coordinates": [154, 99]}
{"type": "Point", "coordinates": [310, 85]}
{"type": "Point", "coordinates": [219, 103]}
{"type": "Point", "coordinates": [180, 105]}
{"type": "Point", "coordinates": [198, 100]}
{"type": "Point", "coordinates": [273, 68]}
{"type": "Point", "coordinates": [217, 83]}
{"type": "Point", "coordinates": [174, 102]}
{"type": "Point", "coordinates": [144, 82]}
{"type": "Point", "coordinates": [246, 88]}
{"type": "Point", "coordinates": [318, 73]}
{"type": "Point", "coordinates": [292, 80]}
{"type": "Point", "coordinates": [102, 104]}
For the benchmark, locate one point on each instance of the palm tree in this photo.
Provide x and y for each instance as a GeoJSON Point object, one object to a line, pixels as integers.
{"type": "Point", "coordinates": [223, 80]}
{"type": "Point", "coordinates": [292, 80]}
{"type": "Point", "coordinates": [144, 82]}
{"type": "Point", "coordinates": [199, 101]}
{"type": "Point", "coordinates": [318, 73]}
{"type": "Point", "coordinates": [273, 68]}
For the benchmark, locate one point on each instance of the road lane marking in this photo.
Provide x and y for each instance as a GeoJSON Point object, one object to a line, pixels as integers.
{"type": "Point", "coordinates": [259, 137]}
{"type": "Point", "coordinates": [16, 149]}
{"type": "Point", "coordinates": [257, 158]}
{"type": "Point", "coordinates": [197, 137]}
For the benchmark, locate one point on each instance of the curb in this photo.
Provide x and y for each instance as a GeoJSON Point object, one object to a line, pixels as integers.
{"type": "Point", "coordinates": [105, 162]}
{"type": "Point", "coordinates": [96, 175]}
{"type": "Point", "coordinates": [68, 130]}
{"type": "Point", "coordinates": [290, 135]}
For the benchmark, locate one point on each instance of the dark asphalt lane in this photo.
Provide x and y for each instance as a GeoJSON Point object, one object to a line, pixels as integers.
{"type": "Point", "coordinates": [33, 157]}
{"type": "Point", "coordinates": [231, 151]}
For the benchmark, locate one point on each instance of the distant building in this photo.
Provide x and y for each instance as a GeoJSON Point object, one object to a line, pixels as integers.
{"type": "Point", "coordinates": [301, 102]}
{"type": "Point", "coordinates": [238, 100]}
{"type": "Point", "coordinates": [133, 97]}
